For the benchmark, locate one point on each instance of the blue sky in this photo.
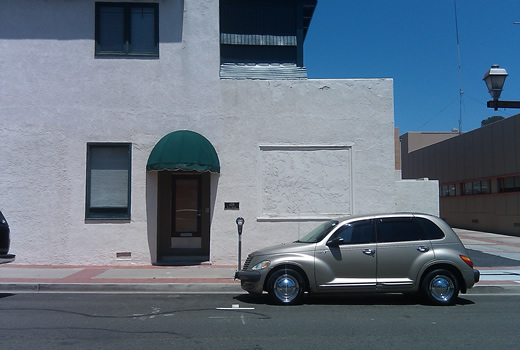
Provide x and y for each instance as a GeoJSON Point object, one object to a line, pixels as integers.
{"type": "Point", "coordinates": [415, 43]}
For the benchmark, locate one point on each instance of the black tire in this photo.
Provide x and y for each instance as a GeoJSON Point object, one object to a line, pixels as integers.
{"type": "Point", "coordinates": [286, 287]}
{"type": "Point", "coordinates": [440, 287]}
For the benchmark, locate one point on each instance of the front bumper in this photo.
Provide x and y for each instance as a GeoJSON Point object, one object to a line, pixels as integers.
{"type": "Point", "coordinates": [248, 276]}
{"type": "Point", "coordinates": [250, 281]}
{"type": "Point", "coordinates": [7, 258]}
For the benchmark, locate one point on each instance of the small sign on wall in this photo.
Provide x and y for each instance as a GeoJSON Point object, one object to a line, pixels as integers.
{"type": "Point", "coordinates": [231, 205]}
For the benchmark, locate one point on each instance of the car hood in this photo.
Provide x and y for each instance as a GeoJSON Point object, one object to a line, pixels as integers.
{"type": "Point", "coordinates": [284, 248]}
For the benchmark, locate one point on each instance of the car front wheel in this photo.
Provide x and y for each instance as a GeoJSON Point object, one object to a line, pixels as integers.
{"type": "Point", "coordinates": [286, 287]}
{"type": "Point", "coordinates": [441, 287]}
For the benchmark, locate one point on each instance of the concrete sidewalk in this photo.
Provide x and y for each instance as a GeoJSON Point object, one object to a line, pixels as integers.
{"type": "Point", "coordinates": [496, 256]}
{"type": "Point", "coordinates": [111, 279]}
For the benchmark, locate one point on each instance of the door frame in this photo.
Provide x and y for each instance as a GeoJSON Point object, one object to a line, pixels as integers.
{"type": "Point", "coordinates": [166, 255]}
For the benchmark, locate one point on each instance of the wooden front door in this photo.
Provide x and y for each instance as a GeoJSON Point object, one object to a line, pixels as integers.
{"type": "Point", "coordinates": [183, 230]}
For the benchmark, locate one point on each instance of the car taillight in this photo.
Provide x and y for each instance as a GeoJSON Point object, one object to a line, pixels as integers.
{"type": "Point", "coordinates": [467, 260]}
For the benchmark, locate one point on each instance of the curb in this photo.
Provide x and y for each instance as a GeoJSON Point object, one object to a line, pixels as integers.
{"type": "Point", "coordinates": [120, 288]}
{"type": "Point", "coordinates": [193, 288]}
{"type": "Point", "coordinates": [494, 289]}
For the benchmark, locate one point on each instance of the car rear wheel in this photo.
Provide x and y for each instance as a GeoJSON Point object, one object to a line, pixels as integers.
{"type": "Point", "coordinates": [286, 287]}
{"type": "Point", "coordinates": [441, 287]}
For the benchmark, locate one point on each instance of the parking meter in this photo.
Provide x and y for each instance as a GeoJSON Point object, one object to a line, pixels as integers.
{"type": "Point", "coordinates": [240, 223]}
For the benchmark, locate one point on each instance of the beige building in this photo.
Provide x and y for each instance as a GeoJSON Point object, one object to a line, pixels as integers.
{"type": "Point", "coordinates": [136, 132]}
{"type": "Point", "coordinates": [478, 173]}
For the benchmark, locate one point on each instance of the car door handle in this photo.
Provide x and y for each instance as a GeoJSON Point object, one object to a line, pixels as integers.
{"type": "Point", "coordinates": [370, 252]}
{"type": "Point", "coordinates": [423, 249]}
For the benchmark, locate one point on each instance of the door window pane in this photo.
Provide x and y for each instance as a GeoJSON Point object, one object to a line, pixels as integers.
{"type": "Point", "coordinates": [186, 206]}
{"type": "Point", "coordinates": [360, 232]}
{"type": "Point", "coordinates": [398, 230]}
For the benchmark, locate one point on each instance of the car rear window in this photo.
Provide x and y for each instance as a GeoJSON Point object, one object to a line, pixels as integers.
{"type": "Point", "coordinates": [407, 229]}
{"type": "Point", "coordinates": [431, 230]}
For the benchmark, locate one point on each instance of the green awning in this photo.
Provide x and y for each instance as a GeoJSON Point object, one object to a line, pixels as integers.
{"type": "Point", "coordinates": [184, 150]}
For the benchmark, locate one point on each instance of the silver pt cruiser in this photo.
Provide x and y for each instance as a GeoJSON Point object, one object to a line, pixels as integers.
{"type": "Point", "coordinates": [386, 253]}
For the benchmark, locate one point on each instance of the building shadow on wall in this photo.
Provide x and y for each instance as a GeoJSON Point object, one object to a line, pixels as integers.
{"type": "Point", "coordinates": [75, 20]}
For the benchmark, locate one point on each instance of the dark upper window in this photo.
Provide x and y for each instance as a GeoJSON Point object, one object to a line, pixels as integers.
{"type": "Point", "coordinates": [127, 29]}
{"type": "Point", "coordinates": [476, 187]}
{"type": "Point", "coordinates": [259, 31]}
{"type": "Point", "coordinates": [447, 190]}
{"type": "Point", "coordinates": [509, 184]}
{"type": "Point", "coordinates": [108, 181]}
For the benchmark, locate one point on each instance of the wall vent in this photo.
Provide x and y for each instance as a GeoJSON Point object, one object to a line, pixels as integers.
{"type": "Point", "coordinates": [474, 221]}
{"type": "Point", "coordinates": [124, 256]}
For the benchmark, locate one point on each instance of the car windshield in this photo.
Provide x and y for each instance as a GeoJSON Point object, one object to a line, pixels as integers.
{"type": "Point", "coordinates": [319, 232]}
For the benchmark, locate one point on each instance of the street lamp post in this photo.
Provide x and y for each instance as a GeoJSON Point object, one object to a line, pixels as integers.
{"type": "Point", "coordinates": [495, 78]}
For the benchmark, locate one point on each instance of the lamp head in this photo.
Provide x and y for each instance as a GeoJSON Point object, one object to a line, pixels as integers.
{"type": "Point", "coordinates": [495, 79]}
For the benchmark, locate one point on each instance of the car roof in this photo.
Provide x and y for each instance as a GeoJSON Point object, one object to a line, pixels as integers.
{"type": "Point", "coordinates": [383, 215]}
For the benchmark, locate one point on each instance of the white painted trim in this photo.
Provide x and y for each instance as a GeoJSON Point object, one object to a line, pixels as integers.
{"type": "Point", "coordinates": [305, 147]}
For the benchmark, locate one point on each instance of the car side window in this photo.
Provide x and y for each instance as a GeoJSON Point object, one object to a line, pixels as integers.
{"type": "Point", "coordinates": [431, 230]}
{"type": "Point", "coordinates": [360, 232]}
{"type": "Point", "coordinates": [398, 230]}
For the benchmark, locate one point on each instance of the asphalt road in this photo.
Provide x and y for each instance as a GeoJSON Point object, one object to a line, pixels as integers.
{"type": "Point", "coordinates": [227, 321]}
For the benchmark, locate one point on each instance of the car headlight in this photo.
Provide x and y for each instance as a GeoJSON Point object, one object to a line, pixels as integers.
{"type": "Point", "coordinates": [261, 265]}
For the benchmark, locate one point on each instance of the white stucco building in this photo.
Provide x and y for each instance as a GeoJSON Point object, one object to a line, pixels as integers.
{"type": "Point", "coordinates": [89, 88]}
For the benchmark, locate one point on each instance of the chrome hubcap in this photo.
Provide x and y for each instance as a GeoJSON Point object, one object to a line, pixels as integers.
{"type": "Point", "coordinates": [286, 288]}
{"type": "Point", "coordinates": [442, 288]}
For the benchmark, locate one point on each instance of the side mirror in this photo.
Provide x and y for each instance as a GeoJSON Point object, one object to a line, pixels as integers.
{"type": "Point", "coordinates": [336, 242]}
